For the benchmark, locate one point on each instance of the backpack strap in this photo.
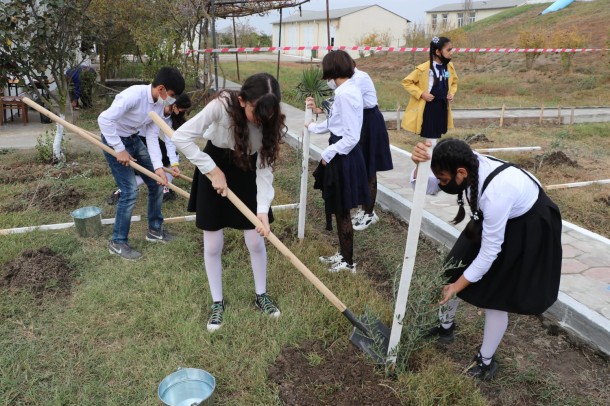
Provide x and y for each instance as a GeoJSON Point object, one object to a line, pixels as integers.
{"type": "Point", "coordinates": [498, 170]}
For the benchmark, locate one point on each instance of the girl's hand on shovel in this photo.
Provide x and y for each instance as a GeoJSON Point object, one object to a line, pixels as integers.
{"type": "Point", "coordinates": [175, 171]}
{"type": "Point", "coordinates": [123, 158]}
{"type": "Point", "coordinates": [265, 229]}
{"type": "Point", "coordinates": [420, 152]}
{"type": "Point", "coordinates": [161, 173]}
{"type": "Point", "coordinates": [219, 182]}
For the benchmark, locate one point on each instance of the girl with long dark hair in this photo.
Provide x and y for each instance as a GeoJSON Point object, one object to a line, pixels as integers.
{"type": "Point", "coordinates": [244, 130]}
{"type": "Point", "coordinates": [432, 86]}
{"type": "Point", "coordinates": [508, 258]}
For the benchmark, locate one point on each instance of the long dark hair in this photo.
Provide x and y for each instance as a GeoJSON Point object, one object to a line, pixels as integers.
{"type": "Point", "coordinates": [182, 102]}
{"type": "Point", "coordinates": [263, 91]}
{"type": "Point", "coordinates": [437, 43]}
{"type": "Point", "coordinates": [449, 155]}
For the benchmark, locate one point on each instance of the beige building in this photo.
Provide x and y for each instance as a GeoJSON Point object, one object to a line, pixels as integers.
{"type": "Point", "coordinates": [455, 15]}
{"type": "Point", "coordinates": [347, 27]}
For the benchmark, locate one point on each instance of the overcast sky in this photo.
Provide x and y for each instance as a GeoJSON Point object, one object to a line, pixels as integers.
{"type": "Point", "coordinates": [413, 10]}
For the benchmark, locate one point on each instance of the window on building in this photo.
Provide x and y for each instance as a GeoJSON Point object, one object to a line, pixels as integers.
{"type": "Point", "coordinates": [472, 17]}
{"type": "Point", "coordinates": [460, 19]}
{"type": "Point", "coordinates": [434, 16]}
{"type": "Point", "coordinates": [445, 19]}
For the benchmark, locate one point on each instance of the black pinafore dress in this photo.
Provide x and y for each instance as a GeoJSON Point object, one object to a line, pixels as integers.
{"type": "Point", "coordinates": [525, 276]}
{"type": "Point", "coordinates": [436, 112]}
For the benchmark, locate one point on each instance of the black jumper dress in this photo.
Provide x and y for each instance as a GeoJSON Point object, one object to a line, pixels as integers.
{"type": "Point", "coordinates": [436, 113]}
{"type": "Point", "coordinates": [524, 278]}
{"type": "Point", "coordinates": [214, 212]}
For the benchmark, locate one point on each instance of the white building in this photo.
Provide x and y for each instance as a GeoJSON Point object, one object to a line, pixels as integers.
{"type": "Point", "coordinates": [347, 27]}
{"type": "Point", "coordinates": [455, 15]}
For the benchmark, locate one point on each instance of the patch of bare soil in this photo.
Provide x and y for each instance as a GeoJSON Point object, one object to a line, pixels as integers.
{"type": "Point", "coordinates": [537, 365]}
{"type": "Point", "coordinates": [556, 159]}
{"type": "Point", "coordinates": [41, 271]}
{"type": "Point", "coordinates": [47, 197]}
{"type": "Point", "coordinates": [24, 172]}
{"type": "Point", "coordinates": [604, 200]}
{"type": "Point", "coordinates": [313, 374]}
{"type": "Point", "coordinates": [477, 138]}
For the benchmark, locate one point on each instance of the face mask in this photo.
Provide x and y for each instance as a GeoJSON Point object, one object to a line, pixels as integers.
{"type": "Point", "coordinates": [168, 101]}
{"type": "Point", "coordinates": [444, 60]}
{"type": "Point", "coordinates": [452, 187]}
{"type": "Point", "coordinates": [331, 83]}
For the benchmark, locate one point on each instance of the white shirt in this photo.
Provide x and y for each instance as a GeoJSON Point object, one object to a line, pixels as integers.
{"type": "Point", "coordinates": [431, 75]}
{"type": "Point", "coordinates": [127, 115]}
{"type": "Point", "coordinates": [367, 88]}
{"type": "Point", "coordinates": [213, 123]}
{"type": "Point", "coordinates": [510, 194]}
{"type": "Point", "coordinates": [344, 120]}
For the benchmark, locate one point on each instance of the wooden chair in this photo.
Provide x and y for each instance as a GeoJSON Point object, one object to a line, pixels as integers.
{"type": "Point", "coordinates": [13, 102]}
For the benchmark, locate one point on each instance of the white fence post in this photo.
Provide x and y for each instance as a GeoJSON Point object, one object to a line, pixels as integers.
{"type": "Point", "coordinates": [304, 177]}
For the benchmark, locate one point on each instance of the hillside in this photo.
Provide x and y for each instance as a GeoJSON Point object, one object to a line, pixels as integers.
{"type": "Point", "coordinates": [491, 80]}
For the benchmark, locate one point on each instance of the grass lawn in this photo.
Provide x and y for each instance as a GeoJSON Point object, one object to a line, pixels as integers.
{"type": "Point", "coordinates": [124, 326]}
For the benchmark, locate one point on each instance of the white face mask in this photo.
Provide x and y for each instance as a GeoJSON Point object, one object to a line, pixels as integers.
{"type": "Point", "coordinates": [331, 83]}
{"type": "Point", "coordinates": [169, 101]}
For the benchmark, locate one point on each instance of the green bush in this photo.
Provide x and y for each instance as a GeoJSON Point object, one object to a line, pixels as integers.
{"type": "Point", "coordinates": [312, 85]}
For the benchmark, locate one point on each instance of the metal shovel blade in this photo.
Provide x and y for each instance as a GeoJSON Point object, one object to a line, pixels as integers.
{"type": "Point", "coordinates": [374, 341]}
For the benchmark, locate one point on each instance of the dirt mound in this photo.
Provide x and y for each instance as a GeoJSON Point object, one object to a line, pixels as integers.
{"type": "Point", "coordinates": [476, 138]}
{"type": "Point", "coordinates": [23, 172]}
{"type": "Point", "coordinates": [41, 271]}
{"type": "Point", "coordinates": [603, 200]}
{"type": "Point", "coordinates": [311, 374]}
{"type": "Point", "coordinates": [47, 197]}
{"type": "Point", "coordinates": [556, 159]}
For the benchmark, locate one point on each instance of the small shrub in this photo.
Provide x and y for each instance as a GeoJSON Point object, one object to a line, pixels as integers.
{"type": "Point", "coordinates": [570, 38]}
{"type": "Point", "coordinates": [313, 85]}
{"type": "Point", "coordinates": [532, 38]}
{"type": "Point", "coordinates": [44, 148]}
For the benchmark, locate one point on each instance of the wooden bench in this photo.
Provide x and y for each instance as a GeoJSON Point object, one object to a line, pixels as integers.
{"type": "Point", "coordinates": [13, 102]}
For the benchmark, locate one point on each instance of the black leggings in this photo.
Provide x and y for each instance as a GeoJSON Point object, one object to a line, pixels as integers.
{"type": "Point", "coordinates": [368, 208]}
{"type": "Point", "coordinates": [346, 235]}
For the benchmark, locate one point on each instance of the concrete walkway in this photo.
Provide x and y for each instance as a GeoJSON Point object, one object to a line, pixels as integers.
{"type": "Point", "coordinates": [583, 306]}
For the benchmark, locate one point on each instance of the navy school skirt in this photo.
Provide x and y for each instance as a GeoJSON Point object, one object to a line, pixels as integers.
{"type": "Point", "coordinates": [375, 142]}
{"type": "Point", "coordinates": [214, 212]}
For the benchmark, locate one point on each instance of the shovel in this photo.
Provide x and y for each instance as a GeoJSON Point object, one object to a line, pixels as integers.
{"type": "Point", "coordinates": [370, 335]}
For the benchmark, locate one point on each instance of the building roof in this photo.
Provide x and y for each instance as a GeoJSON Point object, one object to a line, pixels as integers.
{"type": "Point", "coordinates": [311, 15]}
{"type": "Point", "coordinates": [478, 5]}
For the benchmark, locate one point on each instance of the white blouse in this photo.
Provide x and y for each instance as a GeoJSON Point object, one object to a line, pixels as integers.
{"type": "Point", "coordinates": [344, 120]}
{"type": "Point", "coordinates": [509, 195]}
{"type": "Point", "coordinates": [431, 75]}
{"type": "Point", "coordinates": [213, 123]}
{"type": "Point", "coordinates": [367, 88]}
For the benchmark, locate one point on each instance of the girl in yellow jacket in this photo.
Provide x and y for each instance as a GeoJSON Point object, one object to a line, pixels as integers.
{"type": "Point", "coordinates": [432, 86]}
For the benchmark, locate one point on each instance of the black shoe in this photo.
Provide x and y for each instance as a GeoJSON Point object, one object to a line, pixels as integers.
{"type": "Point", "coordinates": [479, 370]}
{"type": "Point", "coordinates": [169, 195]}
{"type": "Point", "coordinates": [444, 335]}
{"type": "Point", "coordinates": [114, 198]}
{"type": "Point", "coordinates": [159, 236]}
{"type": "Point", "coordinates": [266, 305]}
{"type": "Point", "coordinates": [215, 320]}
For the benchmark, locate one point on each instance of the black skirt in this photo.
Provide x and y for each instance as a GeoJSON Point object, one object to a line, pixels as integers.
{"type": "Point", "coordinates": [343, 181]}
{"type": "Point", "coordinates": [435, 119]}
{"type": "Point", "coordinates": [375, 142]}
{"type": "Point", "coordinates": [524, 278]}
{"type": "Point", "coordinates": [214, 212]}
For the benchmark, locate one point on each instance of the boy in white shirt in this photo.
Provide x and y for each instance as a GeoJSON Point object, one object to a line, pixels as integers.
{"type": "Point", "coordinates": [121, 125]}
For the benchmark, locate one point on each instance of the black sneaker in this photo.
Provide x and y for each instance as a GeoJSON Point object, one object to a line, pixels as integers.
{"type": "Point", "coordinates": [159, 236]}
{"type": "Point", "coordinates": [169, 195]}
{"type": "Point", "coordinates": [215, 320]}
{"type": "Point", "coordinates": [123, 250]}
{"type": "Point", "coordinates": [266, 305]}
{"type": "Point", "coordinates": [479, 370]}
{"type": "Point", "coordinates": [443, 335]}
{"type": "Point", "coordinates": [114, 198]}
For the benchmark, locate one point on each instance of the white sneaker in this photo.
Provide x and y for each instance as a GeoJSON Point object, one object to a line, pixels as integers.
{"type": "Point", "coordinates": [358, 216]}
{"type": "Point", "coordinates": [342, 266]}
{"type": "Point", "coordinates": [332, 259]}
{"type": "Point", "coordinates": [366, 221]}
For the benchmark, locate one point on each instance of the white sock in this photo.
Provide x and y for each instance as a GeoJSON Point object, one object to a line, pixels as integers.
{"type": "Point", "coordinates": [139, 180]}
{"type": "Point", "coordinates": [213, 241]}
{"type": "Point", "coordinates": [496, 322]}
{"type": "Point", "coordinates": [258, 259]}
{"type": "Point", "coordinates": [446, 314]}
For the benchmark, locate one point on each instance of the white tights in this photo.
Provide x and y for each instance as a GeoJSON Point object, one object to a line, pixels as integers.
{"type": "Point", "coordinates": [213, 241]}
{"type": "Point", "coordinates": [496, 322]}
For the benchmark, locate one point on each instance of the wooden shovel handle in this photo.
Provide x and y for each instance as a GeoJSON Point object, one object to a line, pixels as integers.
{"type": "Point", "coordinates": [89, 137]}
{"type": "Point", "coordinates": [272, 238]}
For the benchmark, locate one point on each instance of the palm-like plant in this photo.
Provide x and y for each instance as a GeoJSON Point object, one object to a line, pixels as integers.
{"type": "Point", "coordinates": [312, 85]}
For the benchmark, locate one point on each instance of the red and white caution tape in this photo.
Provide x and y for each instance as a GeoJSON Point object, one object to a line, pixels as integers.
{"type": "Point", "coordinates": [394, 49]}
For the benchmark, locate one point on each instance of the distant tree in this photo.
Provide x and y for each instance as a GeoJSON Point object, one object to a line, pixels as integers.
{"type": "Point", "coordinates": [375, 39]}
{"type": "Point", "coordinates": [568, 38]}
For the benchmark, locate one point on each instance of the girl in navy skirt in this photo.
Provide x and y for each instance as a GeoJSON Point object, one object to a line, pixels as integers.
{"type": "Point", "coordinates": [342, 174]}
{"type": "Point", "coordinates": [432, 86]}
{"type": "Point", "coordinates": [508, 258]}
{"type": "Point", "coordinates": [375, 144]}
{"type": "Point", "coordinates": [244, 130]}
